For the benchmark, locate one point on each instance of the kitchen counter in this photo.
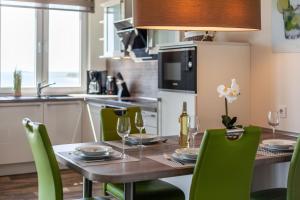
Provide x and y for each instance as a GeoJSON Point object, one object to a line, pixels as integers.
{"type": "Point", "coordinates": [28, 99]}
{"type": "Point", "coordinates": [147, 104]}
{"type": "Point", "coordinates": [45, 98]}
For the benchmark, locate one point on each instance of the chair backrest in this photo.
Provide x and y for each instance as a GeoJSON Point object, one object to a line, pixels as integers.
{"type": "Point", "coordinates": [224, 167]}
{"type": "Point", "coordinates": [108, 120]}
{"type": "Point", "coordinates": [293, 192]}
{"type": "Point", "coordinates": [49, 179]}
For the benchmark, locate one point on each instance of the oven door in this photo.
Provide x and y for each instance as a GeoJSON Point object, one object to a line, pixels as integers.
{"type": "Point", "coordinates": [177, 69]}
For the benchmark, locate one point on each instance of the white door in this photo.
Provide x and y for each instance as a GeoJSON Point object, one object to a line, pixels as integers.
{"type": "Point", "coordinates": [63, 121]}
{"type": "Point", "coordinates": [93, 130]}
{"type": "Point", "coordinates": [171, 108]}
{"type": "Point", "coordinates": [14, 147]}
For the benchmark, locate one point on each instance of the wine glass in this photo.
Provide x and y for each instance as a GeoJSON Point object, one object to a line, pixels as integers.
{"type": "Point", "coordinates": [123, 130]}
{"type": "Point", "coordinates": [140, 125]}
{"type": "Point", "coordinates": [194, 128]}
{"type": "Point", "coordinates": [273, 120]}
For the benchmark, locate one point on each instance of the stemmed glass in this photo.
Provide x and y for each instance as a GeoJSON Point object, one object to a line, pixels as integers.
{"type": "Point", "coordinates": [194, 128]}
{"type": "Point", "coordinates": [140, 125]}
{"type": "Point", "coordinates": [123, 130]}
{"type": "Point", "coordinates": [273, 120]}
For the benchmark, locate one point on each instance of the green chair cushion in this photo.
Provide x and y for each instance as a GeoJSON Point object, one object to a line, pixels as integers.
{"type": "Point", "coordinates": [148, 190]}
{"type": "Point", "coordinates": [271, 194]}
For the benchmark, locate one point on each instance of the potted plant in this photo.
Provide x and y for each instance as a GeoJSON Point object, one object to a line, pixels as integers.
{"type": "Point", "coordinates": [17, 83]}
{"type": "Point", "coordinates": [230, 94]}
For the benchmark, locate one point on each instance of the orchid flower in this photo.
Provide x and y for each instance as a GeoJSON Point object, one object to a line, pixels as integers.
{"type": "Point", "coordinates": [231, 93]}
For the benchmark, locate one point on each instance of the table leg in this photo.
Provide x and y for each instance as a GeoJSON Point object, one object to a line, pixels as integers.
{"type": "Point", "coordinates": [129, 190]}
{"type": "Point", "coordinates": [87, 188]}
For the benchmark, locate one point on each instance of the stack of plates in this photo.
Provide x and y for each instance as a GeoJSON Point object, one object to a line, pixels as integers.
{"type": "Point", "coordinates": [92, 152]}
{"type": "Point", "coordinates": [144, 138]}
{"type": "Point", "coordinates": [279, 145]}
{"type": "Point", "coordinates": [187, 155]}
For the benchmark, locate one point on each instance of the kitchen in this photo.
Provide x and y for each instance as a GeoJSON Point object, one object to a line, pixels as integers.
{"type": "Point", "coordinates": [268, 81]}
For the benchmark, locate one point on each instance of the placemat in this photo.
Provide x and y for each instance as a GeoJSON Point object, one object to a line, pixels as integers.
{"type": "Point", "coordinates": [119, 144]}
{"type": "Point", "coordinates": [161, 159]}
{"type": "Point", "coordinates": [85, 163]}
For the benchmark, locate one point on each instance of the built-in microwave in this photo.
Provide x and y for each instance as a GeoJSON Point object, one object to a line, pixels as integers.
{"type": "Point", "coordinates": [177, 68]}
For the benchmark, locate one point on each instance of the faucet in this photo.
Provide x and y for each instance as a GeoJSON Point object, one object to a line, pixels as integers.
{"type": "Point", "coordinates": [40, 87]}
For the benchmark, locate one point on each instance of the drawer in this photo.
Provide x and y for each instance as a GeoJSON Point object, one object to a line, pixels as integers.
{"type": "Point", "coordinates": [150, 118]}
{"type": "Point", "coordinates": [151, 130]}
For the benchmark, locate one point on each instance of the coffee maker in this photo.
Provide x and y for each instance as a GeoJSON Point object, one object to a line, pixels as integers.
{"type": "Point", "coordinates": [96, 82]}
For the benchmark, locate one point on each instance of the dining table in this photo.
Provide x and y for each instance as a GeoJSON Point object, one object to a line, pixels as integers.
{"type": "Point", "coordinates": [150, 163]}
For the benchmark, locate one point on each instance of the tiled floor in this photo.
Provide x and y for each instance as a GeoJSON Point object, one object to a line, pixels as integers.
{"type": "Point", "coordinates": [25, 187]}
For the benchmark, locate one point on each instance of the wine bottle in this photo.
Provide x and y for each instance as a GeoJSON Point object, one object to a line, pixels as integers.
{"type": "Point", "coordinates": [184, 129]}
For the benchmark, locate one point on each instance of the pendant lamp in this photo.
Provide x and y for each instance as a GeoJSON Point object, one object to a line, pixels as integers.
{"type": "Point", "coordinates": [204, 15]}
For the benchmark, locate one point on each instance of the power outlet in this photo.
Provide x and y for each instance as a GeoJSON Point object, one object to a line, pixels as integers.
{"type": "Point", "coordinates": [283, 111]}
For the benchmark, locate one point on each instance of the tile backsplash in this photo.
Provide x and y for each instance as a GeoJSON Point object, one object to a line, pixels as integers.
{"type": "Point", "coordinates": [141, 78]}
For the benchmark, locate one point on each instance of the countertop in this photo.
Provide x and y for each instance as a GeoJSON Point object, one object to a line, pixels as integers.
{"type": "Point", "coordinates": [147, 104]}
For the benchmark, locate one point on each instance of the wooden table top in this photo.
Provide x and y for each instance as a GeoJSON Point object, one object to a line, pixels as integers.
{"type": "Point", "coordinates": [147, 169]}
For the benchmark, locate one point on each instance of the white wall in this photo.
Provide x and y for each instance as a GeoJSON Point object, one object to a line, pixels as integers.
{"type": "Point", "coordinates": [274, 76]}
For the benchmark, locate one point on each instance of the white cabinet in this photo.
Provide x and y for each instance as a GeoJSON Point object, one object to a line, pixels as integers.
{"type": "Point", "coordinates": [150, 121]}
{"type": "Point", "coordinates": [14, 147]}
{"type": "Point", "coordinates": [63, 121]}
{"type": "Point", "coordinates": [91, 124]}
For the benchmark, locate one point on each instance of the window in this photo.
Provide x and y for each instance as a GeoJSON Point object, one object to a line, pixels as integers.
{"type": "Point", "coordinates": [18, 45]}
{"type": "Point", "coordinates": [64, 48]}
{"type": "Point", "coordinates": [45, 45]}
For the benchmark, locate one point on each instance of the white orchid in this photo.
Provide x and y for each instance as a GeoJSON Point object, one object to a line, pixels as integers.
{"type": "Point", "coordinates": [230, 93]}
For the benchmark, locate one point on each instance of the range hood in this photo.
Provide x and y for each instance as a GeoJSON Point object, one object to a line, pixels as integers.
{"type": "Point", "coordinates": [72, 5]}
{"type": "Point", "coordinates": [134, 40]}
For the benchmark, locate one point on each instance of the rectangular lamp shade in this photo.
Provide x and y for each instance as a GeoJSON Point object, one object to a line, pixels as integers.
{"type": "Point", "coordinates": [72, 5]}
{"type": "Point", "coordinates": [204, 15]}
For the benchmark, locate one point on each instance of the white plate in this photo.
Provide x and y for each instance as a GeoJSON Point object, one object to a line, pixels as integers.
{"type": "Point", "coordinates": [189, 153]}
{"type": "Point", "coordinates": [181, 158]}
{"type": "Point", "coordinates": [94, 150]}
{"type": "Point", "coordinates": [144, 137]}
{"type": "Point", "coordinates": [280, 144]}
{"type": "Point", "coordinates": [94, 157]}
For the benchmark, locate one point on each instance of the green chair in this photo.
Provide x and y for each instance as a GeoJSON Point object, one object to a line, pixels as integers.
{"type": "Point", "coordinates": [49, 179]}
{"type": "Point", "coordinates": [292, 192]}
{"type": "Point", "coordinates": [224, 167]}
{"type": "Point", "coordinates": [108, 121]}
{"type": "Point", "coordinates": [146, 190]}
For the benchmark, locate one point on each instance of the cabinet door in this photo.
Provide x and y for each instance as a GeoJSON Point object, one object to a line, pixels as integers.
{"type": "Point", "coordinates": [150, 120]}
{"type": "Point", "coordinates": [93, 132]}
{"type": "Point", "coordinates": [164, 36]}
{"type": "Point", "coordinates": [14, 147]}
{"type": "Point", "coordinates": [63, 121]}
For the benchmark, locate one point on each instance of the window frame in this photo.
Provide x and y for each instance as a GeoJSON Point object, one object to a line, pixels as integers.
{"type": "Point", "coordinates": [41, 59]}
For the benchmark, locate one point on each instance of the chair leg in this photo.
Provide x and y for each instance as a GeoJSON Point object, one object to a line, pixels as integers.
{"type": "Point", "coordinates": [87, 188]}
{"type": "Point", "coordinates": [129, 190]}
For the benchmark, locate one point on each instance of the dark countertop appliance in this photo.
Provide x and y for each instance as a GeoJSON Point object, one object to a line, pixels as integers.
{"type": "Point", "coordinates": [122, 86]}
{"type": "Point", "coordinates": [96, 82]}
